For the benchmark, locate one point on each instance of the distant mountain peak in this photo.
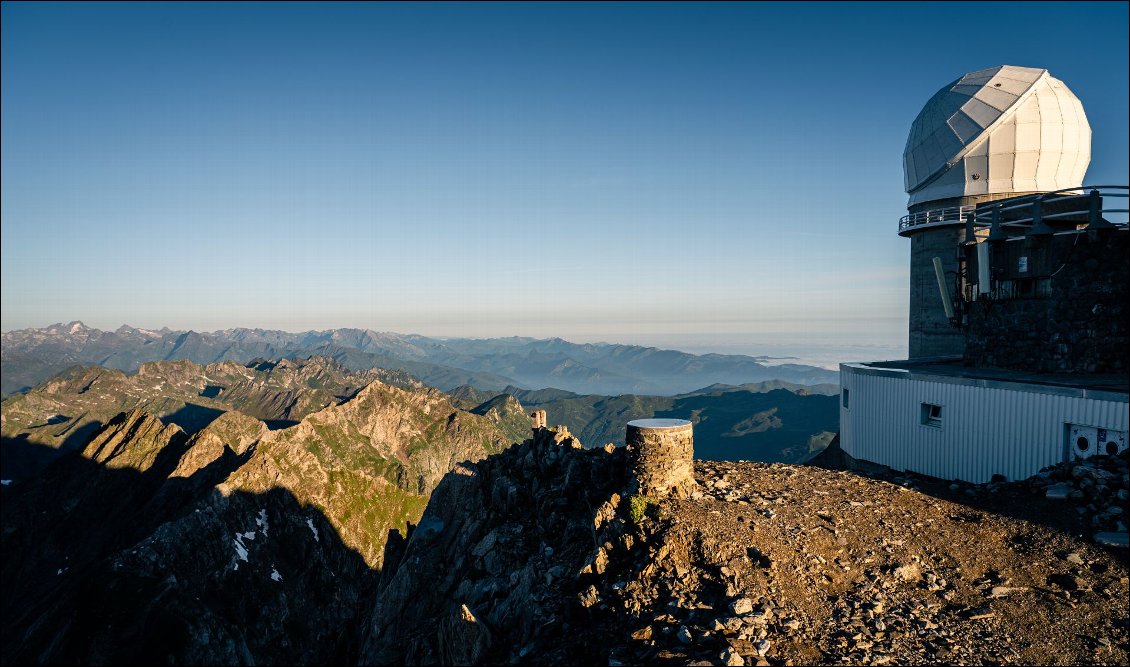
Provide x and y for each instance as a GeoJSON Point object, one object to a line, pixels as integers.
{"type": "Point", "coordinates": [70, 328]}
{"type": "Point", "coordinates": [32, 355]}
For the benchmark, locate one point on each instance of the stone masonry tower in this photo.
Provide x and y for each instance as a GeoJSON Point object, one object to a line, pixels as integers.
{"type": "Point", "coordinates": [663, 456]}
{"type": "Point", "coordinates": [993, 134]}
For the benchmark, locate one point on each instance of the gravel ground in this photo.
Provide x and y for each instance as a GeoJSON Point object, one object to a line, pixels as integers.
{"type": "Point", "coordinates": [782, 564]}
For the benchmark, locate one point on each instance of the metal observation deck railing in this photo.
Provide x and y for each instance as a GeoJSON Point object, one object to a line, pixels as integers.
{"type": "Point", "coordinates": [1088, 206]}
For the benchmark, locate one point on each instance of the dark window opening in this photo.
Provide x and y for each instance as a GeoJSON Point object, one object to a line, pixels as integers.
{"type": "Point", "coordinates": [931, 415]}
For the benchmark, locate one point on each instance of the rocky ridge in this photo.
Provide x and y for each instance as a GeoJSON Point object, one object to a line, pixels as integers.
{"type": "Point", "coordinates": [506, 412]}
{"type": "Point", "coordinates": [63, 412]}
{"type": "Point", "coordinates": [311, 544]}
{"type": "Point", "coordinates": [385, 443]}
{"type": "Point", "coordinates": [490, 573]}
{"type": "Point", "coordinates": [764, 564]}
{"type": "Point", "coordinates": [235, 545]}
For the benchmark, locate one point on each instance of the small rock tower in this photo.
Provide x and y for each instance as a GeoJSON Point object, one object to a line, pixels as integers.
{"type": "Point", "coordinates": [663, 451]}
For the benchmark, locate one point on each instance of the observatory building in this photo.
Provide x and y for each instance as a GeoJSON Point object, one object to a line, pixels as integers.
{"type": "Point", "coordinates": [1018, 331]}
{"type": "Point", "coordinates": [990, 135]}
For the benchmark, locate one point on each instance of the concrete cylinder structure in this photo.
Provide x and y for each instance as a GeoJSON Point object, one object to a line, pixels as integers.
{"type": "Point", "coordinates": [930, 331]}
{"type": "Point", "coordinates": [663, 456]}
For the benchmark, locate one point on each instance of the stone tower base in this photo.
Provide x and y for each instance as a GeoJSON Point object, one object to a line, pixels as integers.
{"type": "Point", "coordinates": [663, 454]}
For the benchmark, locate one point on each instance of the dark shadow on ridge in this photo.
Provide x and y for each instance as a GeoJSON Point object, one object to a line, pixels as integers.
{"type": "Point", "coordinates": [508, 539]}
{"type": "Point", "coordinates": [120, 566]}
{"type": "Point", "coordinates": [20, 459]}
{"type": "Point", "coordinates": [192, 418]}
{"type": "Point", "coordinates": [78, 437]}
{"type": "Point", "coordinates": [279, 424]}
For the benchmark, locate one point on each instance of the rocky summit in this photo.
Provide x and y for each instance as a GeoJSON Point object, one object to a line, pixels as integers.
{"type": "Point", "coordinates": [543, 555]}
{"type": "Point", "coordinates": [312, 545]}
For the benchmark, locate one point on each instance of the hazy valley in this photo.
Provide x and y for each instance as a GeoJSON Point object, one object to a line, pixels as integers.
{"type": "Point", "coordinates": [30, 356]}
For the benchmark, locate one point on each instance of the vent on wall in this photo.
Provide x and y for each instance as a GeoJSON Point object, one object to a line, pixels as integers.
{"type": "Point", "coordinates": [931, 415]}
{"type": "Point", "coordinates": [1086, 441]}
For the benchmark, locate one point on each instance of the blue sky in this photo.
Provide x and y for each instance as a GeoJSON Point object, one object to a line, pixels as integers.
{"type": "Point", "coordinates": [651, 173]}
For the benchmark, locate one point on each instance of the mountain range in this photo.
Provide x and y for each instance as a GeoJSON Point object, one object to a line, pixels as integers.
{"type": "Point", "coordinates": [63, 412]}
{"type": "Point", "coordinates": [769, 421]}
{"type": "Point", "coordinates": [243, 511]}
{"type": "Point", "coordinates": [29, 356]}
{"type": "Point", "coordinates": [144, 538]}
{"type": "Point", "coordinates": [292, 510]}
{"type": "Point", "coordinates": [339, 541]}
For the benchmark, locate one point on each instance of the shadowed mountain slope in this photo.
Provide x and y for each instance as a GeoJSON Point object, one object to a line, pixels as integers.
{"type": "Point", "coordinates": [234, 545]}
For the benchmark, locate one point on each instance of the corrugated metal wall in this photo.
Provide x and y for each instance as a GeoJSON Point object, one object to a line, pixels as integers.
{"type": "Point", "coordinates": [984, 430]}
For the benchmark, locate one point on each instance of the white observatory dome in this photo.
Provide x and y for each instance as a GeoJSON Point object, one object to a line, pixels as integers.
{"type": "Point", "coordinates": [998, 130]}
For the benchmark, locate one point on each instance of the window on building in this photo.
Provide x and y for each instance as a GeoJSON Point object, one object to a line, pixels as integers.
{"type": "Point", "coordinates": [845, 397]}
{"type": "Point", "coordinates": [931, 415]}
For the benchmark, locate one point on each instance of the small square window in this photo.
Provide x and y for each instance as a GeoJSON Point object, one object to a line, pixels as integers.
{"type": "Point", "coordinates": [845, 398]}
{"type": "Point", "coordinates": [931, 415]}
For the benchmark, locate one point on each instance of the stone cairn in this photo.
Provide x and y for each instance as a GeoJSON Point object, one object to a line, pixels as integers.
{"type": "Point", "coordinates": [663, 456]}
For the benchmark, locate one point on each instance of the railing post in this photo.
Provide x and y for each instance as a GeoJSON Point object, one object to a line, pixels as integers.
{"type": "Point", "coordinates": [1039, 227]}
{"type": "Point", "coordinates": [1095, 219]}
{"type": "Point", "coordinates": [995, 231]}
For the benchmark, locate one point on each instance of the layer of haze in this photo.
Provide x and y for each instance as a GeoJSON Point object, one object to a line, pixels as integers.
{"type": "Point", "coordinates": [704, 176]}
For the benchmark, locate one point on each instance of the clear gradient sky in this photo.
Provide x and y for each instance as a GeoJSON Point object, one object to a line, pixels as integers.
{"type": "Point", "coordinates": [615, 172]}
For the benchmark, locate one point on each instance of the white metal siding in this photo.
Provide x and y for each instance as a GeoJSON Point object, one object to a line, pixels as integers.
{"type": "Point", "coordinates": [985, 430]}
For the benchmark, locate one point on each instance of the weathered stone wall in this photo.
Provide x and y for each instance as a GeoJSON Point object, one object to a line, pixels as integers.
{"type": "Point", "coordinates": [663, 457]}
{"type": "Point", "coordinates": [1076, 322]}
{"type": "Point", "coordinates": [931, 334]}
